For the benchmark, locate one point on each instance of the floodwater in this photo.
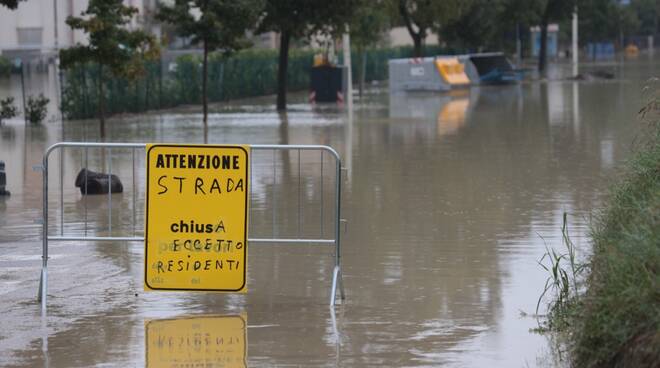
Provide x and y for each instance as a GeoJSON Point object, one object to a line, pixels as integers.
{"type": "Point", "coordinates": [450, 201]}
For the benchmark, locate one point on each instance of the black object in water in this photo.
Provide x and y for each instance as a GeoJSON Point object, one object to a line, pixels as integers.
{"type": "Point", "coordinates": [97, 183]}
{"type": "Point", "coordinates": [3, 180]}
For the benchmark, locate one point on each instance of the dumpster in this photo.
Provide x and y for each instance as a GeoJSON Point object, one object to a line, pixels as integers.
{"type": "Point", "coordinates": [327, 83]}
{"type": "Point", "coordinates": [491, 68]}
{"type": "Point", "coordinates": [427, 74]}
{"type": "Point", "coordinates": [416, 74]}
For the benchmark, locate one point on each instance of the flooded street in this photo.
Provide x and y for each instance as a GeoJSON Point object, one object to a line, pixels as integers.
{"type": "Point", "coordinates": [450, 200]}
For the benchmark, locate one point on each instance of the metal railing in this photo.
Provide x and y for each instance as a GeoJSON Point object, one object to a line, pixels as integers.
{"type": "Point", "coordinates": [84, 234]}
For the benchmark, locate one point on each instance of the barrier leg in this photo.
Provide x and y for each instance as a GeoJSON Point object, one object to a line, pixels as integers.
{"type": "Point", "coordinates": [41, 283]}
{"type": "Point", "coordinates": [336, 277]}
{"type": "Point", "coordinates": [43, 287]}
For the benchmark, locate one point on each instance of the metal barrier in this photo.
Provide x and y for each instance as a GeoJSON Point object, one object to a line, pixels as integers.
{"type": "Point", "coordinates": [82, 235]}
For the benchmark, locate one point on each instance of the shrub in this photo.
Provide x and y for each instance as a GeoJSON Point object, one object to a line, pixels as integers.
{"type": "Point", "coordinates": [7, 108]}
{"type": "Point", "coordinates": [37, 108]}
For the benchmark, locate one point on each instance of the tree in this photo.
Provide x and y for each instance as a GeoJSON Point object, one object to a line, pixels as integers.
{"type": "Point", "coordinates": [418, 16]}
{"type": "Point", "coordinates": [421, 17]}
{"type": "Point", "coordinates": [215, 24]}
{"type": "Point", "coordinates": [476, 26]}
{"type": "Point", "coordinates": [367, 27]}
{"type": "Point", "coordinates": [552, 10]}
{"type": "Point", "coordinates": [488, 24]}
{"type": "Point", "coordinates": [11, 4]}
{"type": "Point", "coordinates": [519, 15]}
{"type": "Point", "coordinates": [111, 45]}
{"type": "Point", "coordinates": [302, 18]}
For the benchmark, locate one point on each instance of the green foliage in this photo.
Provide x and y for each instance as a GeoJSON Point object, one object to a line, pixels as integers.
{"type": "Point", "coordinates": [368, 25]}
{"type": "Point", "coordinates": [648, 14]}
{"type": "Point", "coordinates": [216, 24]}
{"type": "Point", "coordinates": [421, 17]}
{"type": "Point", "coordinates": [111, 43]}
{"type": "Point", "coordinates": [8, 109]}
{"type": "Point", "coordinates": [5, 67]}
{"type": "Point", "coordinates": [36, 109]}
{"type": "Point", "coordinates": [219, 24]}
{"type": "Point", "coordinates": [621, 313]}
{"type": "Point", "coordinates": [616, 322]}
{"type": "Point", "coordinates": [11, 4]}
{"type": "Point", "coordinates": [607, 20]}
{"type": "Point", "coordinates": [477, 26]}
{"type": "Point", "coordinates": [562, 284]}
{"type": "Point", "coordinates": [295, 19]}
{"type": "Point", "coordinates": [303, 18]}
{"type": "Point", "coordinates": [247, 73]}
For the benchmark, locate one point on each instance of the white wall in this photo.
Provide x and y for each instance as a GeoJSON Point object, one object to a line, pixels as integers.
{"type": "Point", "coordinates": [40, 14]}
{"type": "Point", "coordinates": [399, 36]}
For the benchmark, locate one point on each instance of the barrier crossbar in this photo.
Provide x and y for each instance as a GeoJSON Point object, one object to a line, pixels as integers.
{"type": "Point", "coordinates": [337, 281]}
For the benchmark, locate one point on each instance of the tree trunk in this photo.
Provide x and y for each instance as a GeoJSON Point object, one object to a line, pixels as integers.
{"type": "Point", "coordinates": [205, 102]}
{"type": "Point", "coordinates": [101, 103]}
{"type": "Point", "coordinates": [418, 37]}
{"type": "Point", "coordinates": [283, 65]}
{"type": "Point", "coordinates": [543, 52]}
{"type": "Point", "coordinates": [363, 69]}
{"type": "Point", "coordinates": [419, 47]}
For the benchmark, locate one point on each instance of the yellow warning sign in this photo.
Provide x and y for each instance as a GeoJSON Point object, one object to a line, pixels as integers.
{"type": "Point", "coordinates": [197, 342]}
{"type": "Point", "coordinates": [196, 217]}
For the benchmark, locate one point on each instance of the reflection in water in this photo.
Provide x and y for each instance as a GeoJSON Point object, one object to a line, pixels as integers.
{"type": "Point", "coordinates": [200, 341]}
{"type": "Point", "coordinates": [452, 116]}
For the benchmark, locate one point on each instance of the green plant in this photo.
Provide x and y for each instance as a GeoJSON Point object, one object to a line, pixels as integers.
{"type": "Point", "coordinates": [112, 46]}
{"type": "Point", "coordinates": [564, 275]}
{"type": "Point", "coordinates": [37, 108]}
{"type": "Point", "coordinates": [5, 67]}
{"type": "Point", "coordinates": [221, 25]}
{"type": "Point", "coordinates": [247, 73]}
{"type": "Point", "coordinates": [7, 108]}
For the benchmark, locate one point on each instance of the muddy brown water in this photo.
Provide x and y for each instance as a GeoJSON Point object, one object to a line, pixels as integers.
{"type": "Point", "coordinates": [450, 201]}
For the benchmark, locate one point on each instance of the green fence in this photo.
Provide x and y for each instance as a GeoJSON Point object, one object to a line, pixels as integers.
{"type": "Point", "coordinates": [247, 74]}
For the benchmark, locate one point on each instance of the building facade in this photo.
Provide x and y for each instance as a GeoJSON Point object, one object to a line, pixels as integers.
{"type": "Point", "coordinates": [38, 27]}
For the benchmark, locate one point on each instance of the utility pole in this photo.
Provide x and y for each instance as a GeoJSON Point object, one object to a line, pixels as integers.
{"type": "Point", "coordinates": [346, 40]}
{"type": "Point", "coordinates": [55, 30]}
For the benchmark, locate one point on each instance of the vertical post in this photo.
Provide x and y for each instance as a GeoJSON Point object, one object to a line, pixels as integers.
{"type": "Point", "coordinates": [62, 191]}
{"type": "Point", "coordinates": [250, 177]}
{"type": "Point", "coordinates": [274, 185]}
{"type": "Point", "coordinates": [574, 40]}
{"type": "Point", "coordinates": [347, 63]}
{"type": "Point", "coordinates": [85, 195]}
{"type": "Point", "coordinates": [336, 274]}
{"type": "Point", "coordinates": [322, 195]}
{"type": "Point", "coordinates": [299, 196]}
{"type": "Point", "coordinates": [134, 190]}
{"type": "Point", "coordinates": [23, 89]}
{"type": "Point", "coordinates": [55, 30]}
{"type": "Point", "coordinates": [109, 191]}
{"type": "Point", "coordinates": [43, 284]}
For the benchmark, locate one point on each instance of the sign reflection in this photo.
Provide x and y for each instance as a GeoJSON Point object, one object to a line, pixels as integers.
{"type": "Point", "coordinates": [204, 341]}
